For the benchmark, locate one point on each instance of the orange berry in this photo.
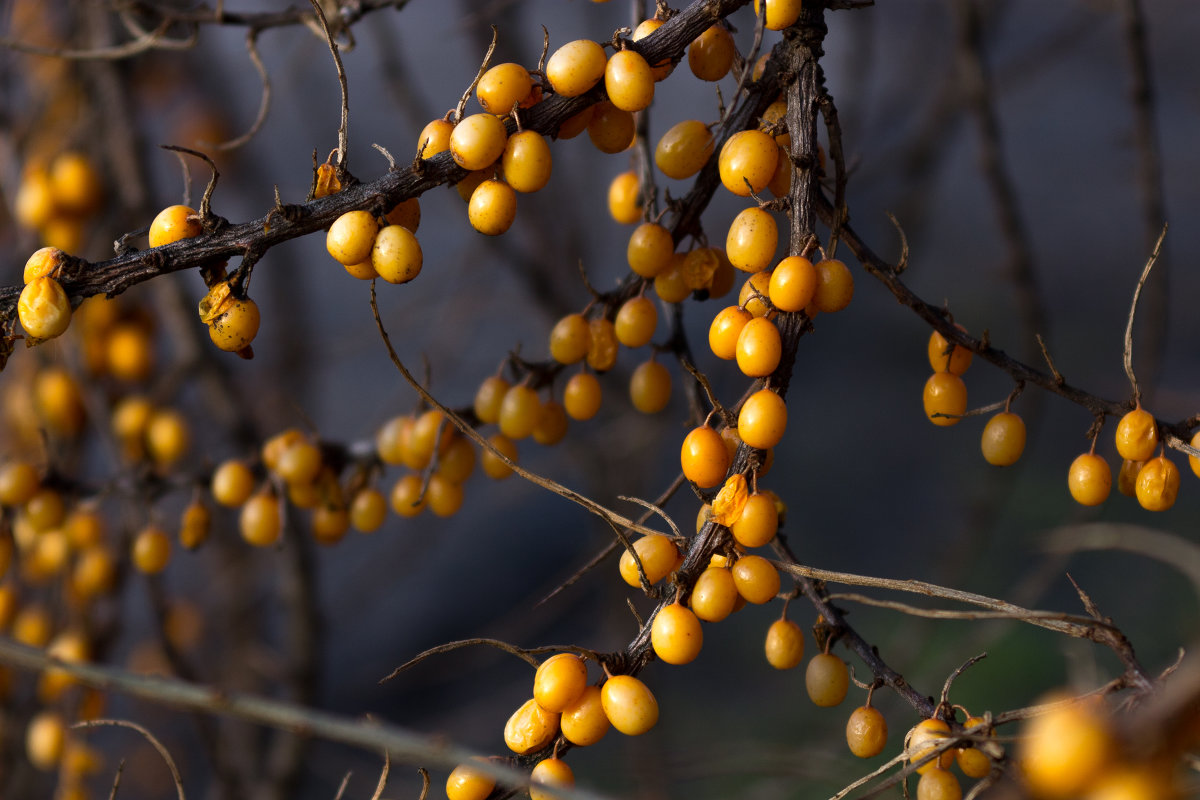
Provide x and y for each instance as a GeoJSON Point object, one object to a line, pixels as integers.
{"type": "Point", "coordinates": [526, 163]}
{"type": "Point", "coordinates": [650, 387]}
{"type": "Point", "coordinates": [759, 348]}
{"type": "Point", "coordinates": [945, 395]}
{"type": "Point", "coordinates": [396, 254]}
{"type": "Point", "coordinates": [629, 705]}
{"type": "Point", "coordinates": [866, 732]}
{"type": "Point", "coordinates": [725, 331]}
{"type": "Point", "coordinates": [714, 594]}
{"type": "Point", "coordinates": [944, 358]}
{"type": "Point", "coordinates": [624, 198]}
{"type": "Point", "coordinates": [530, 728]}
{"type": "Point", "coordinates": [747, 162]}
{"type": "Point", "coordinates": [835, 285]}
{"type": "Point", "coordinates": [826, 680]}
{"type": "Point", "coordinates": [1003, 439]}
{"type": "Point", "coordinates": [611, 129]}
{"type": "Point", "coordinates": [582, 396]}
{"type": "Point", "coordinates": [629, 81]}
{"type": "Point", "coordinates": [784, 646]}
{"type": "Point", "coordinates": [1089, 479]}
{"type": "Point", "coordinates": [1157, 484]}
{"type": "Point", "coordinates": [351, 237]}
{"type": "Point", "coordinates": [756, 579]}
{"type": "Point", "coordinates": [758, 522]}
{"type": "Point", "coordinates": [576, 67]}
{"type": "Point", "coordinates": [467, 783]}
{"type": "Point", "coordinates": [636, 321]}
{"type": "Point", "coordinates": [584, 722]}
{"type": "Point", "coordinates": [477, 141]}
{"type": "Point", "coordinates": [174, 223]}
{"type": "Point", "coordinates": [492, 208]}
{"type": "Point", "coordinates": [549, 772]}
{"type": "Point", "coordinates": [502, 87]}
{"type": "Point", "coordinates": [650, 249]}
{"type": "Point", "coordinates": [762, 419]}
{"type": "Point", "coordinates": [793, 284]}
{"type": "Point", "coordinates": [711, 54]}
{"type": "Point", "coordinates": [752, 240]}
{"type": "Point", "coordinates": [704, 458]}
{"type": "Point", "coordinates": [1137, 435]}
{"type": "Point", "coordinates": [684, 149]}
{"type": "Point", "coordinates": [559, 682]}
{"type": "Point", "coordinates": [676, 635]}
{"type": "Point", "coordinates": [658, 555]}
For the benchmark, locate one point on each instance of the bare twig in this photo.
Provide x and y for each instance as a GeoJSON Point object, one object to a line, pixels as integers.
{"type": "Point", "coordinates": [343, 128]}
{"type": "Point", "coordinates": [162, 751]}
{"type": "Point", "coordinates": [1127, 354]}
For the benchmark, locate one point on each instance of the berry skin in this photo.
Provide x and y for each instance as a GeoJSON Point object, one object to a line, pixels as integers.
{"type": "Point", "coordinates": [624, 198]}
{"type": "Point", "coordinates": [684, 149]}
{"type": "Point", "coordinates": [650, 387]}
{"type": "Point", "coordinates": [759, 348]}
{"type": "Point", "coordinates": [1003, 439]}
{"type": "Point", "coordinates": [46, 261]}
{"type": "Point", "coordinates": [351, 237]}
{"type": "Point", "coordinates": [835, 286]}
{"type": "Point", "coordinates": [260, 521]}
{"type": "Point", "coordinates": [1157, 484]}
{"type": "Point", "coordinates": [233, 324]}
{"type": "Point", "coordinates": [1137, 435]}
{"type": "Point", "coordinates": [759, 282]}
{"type": "Point", "coordinates": [658, 555]}
{"type": "Point", "coordinates": [921, 740]}
{"type": "Point", "coordinates": [676, 635]}
{"type": "Point", "coordinates": [488, 398]}
{"type": "Point", "coordinates": [958, 359]}
{"type": "Point", "coordinates": [758, 522]}
{"type": "Point", "coordinates": [611, 129]}
{"type": "Point", "coordinates": [466, 783]}
{"type": "Point", "coordinates": [826, 680]}
{"type": "Point", "coordinates": [467, 186]}
{"type": "Point", "coordinates": [582, 396]}
{"type": "Point", "coordinates": [502, 87]}
{"type": "Point", "coordinates": [1089, 479]}
{"type": "Point", "coordinates": [756, 579]}
{"type": "Point", "coordinates": [75, 183]}
{"type": "Point", "coordinates": [573, 126]}
{"type": "Point", "coordinates": [704, 457]}
{"type": "Point", "coordinates": [526, 163]}
{"type": "Point", "coordinates": [519, 412]}
{"type": "Point", "coordinates": [492, 208]}
{"type": "Point", "coordinates": [725, 331]}
{"type": "Point", "coordinates": [778, 14]}
{"type": "Point", "coordinates": [784, 646]}
{"type": "Point", "coordinates": [973, 762]}
{"type": "Point", "coordinates": [629, 81]}
{"type": "Point", "coordinates": [602, 345]}
{"type": "Point", "coordinates": [396, 254]}
{"type": "Point", "coordinates": [549, 772]}
{"type": "Point", "coordinates": [559, 682]}
{"type": "Point", "coordinates": [866, 732]}
{"type": "Point", "coordinates": [18, 482]}
{"type": "Point", "coordinates": [793, 284]}
{"type": "Point", "coordinates": [748, 157]}
{"type": "Point", "coordinates": [939, 784]}
{"type": "Point", "coordinates": [434, 138]}
{"type": "Point", "coordinates": [714, 594]}
{"type": "Point", "coordinates": [151, 550]}
{"type": "Point", "coordinates": [167, 437]}
{"type": "Point", "coordinates": [406, 498]}
{"type": "Point", "coordinates": [636, 321]}
{"type": "Point", "coordinates": [752, 240]}
{"type": "Point", "coordinates": [477, 141]}
{"type": "Point", "coordinates": [368, 510]}
{"type": "Point", "coordinates": [576, 67]}
{"type": "Point", "coordinates": [763, 419]}
{"type": "Point", "coordinates": [711, 54]}
{"type": "Point", "coordinates": [650, 249]}
{"type": "Point", "coordinates": [406, 213]}
{"type": "Point", "coordinates": [44, 740]}
{"type": "Point", "coordinates": [583, 722]}
{"type": "Point", "coordinates": [629, 705]}
{"type": "Point", "coordinates": [945, 394]}
{"type": "Point", "coordinates": [444, 497]}
{"type": "Point", "coordinates": [44, 309]}
{"type": "Point", "coordinates": [530, 728]}
{"type": "Point", "coordinates": [174, 223]}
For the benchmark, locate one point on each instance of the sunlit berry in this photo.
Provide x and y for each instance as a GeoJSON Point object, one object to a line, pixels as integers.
{"type": "Point", "coordinates": [493, 466]}
{"type": "Point", "coordinates": [576, 67]}
{"type": "Point", "coordinates": [629, 705]}
{"type": "Point", "coordinates": [923, 739]}
{"type": "Point", "coordinates": [676, 635]}
{"type": "Point", "coordinates": [658, 555]}
{"type": "Point", "coordinates": [443, 497]}
{"type": "Point", "coordinates": [526, 163]}
{"type": "Point", "coordinates": [646, 27]}
{"type": "Point", "coordinates": [650, 248]}
{"type": "Point", "coordinates": [549, 772]}
{"type": "Point", "coordinates": [759, 348]}
{"type": "Point", "coordinates": [684, 149]}
{"type": "Point", "coordinates": [396, 254]}
{"type": "Point", "coordinates": [569, 339]}
{"type": "Point", "coordinates": [45, 738]}
{"type": "Point", "coordinates": [530, 728]}
{"type": "Point", "coordinates": [945, 398]}
{"type": "Point", "coordinates": [584, 722]}
{"type": "Point", "coordinates": [756, 579]}
{"type": "Point", "coordinates": [835, 285]}
{"type": "Point", "coordinates": [477, 141]}
{"type": "Point", "coordinates": [629, 81]}
{"type": "Point", "coordinates": [793, 284]}
{"type": "Point", "coordinates": [174, 223]}
{"type": "Point", "coordinates": [559, 682]}
{"type": "Point", "coordinates": [1065, 749]}
{"type": "Point", "coordinates": [784, 645]}
{"type": "Point", "coordinates": [582, 396]}
{"type": "Point", "coordinates": [468, 783]}
{"type": "Point", "coordinates": [747, 162]}
{"type": "Point", "coordinates": [758, 522]}
{"type": "Point", "coordinates": [752, 240]}
{"type": "Point", "coordinates": [704, 458]}
{"type": "Point", "coordinates": [636, 321]}
{"type": "Point", "coordinates": [755, 293]}
{"type": "Point", "coordinates": [762, 419]}
{"type": "Point", "coordinates": [434, 138]}
{"type": "Point", "coordinates": [611, 129]}
{"type": "Point", "coordinates": [602, 344]}
{"type": "Point", "coordinates": [519, 412]}
{"type": "Point", "coordinates": [168, 437]}
{"type": "Point", "coordinates": [1089, 479]}
{"type": "Point", "coordinates": [866, 732]}
{"type": "Point", "coordinates": [1157, 484]}
{"type": "Point", "coordinates": [351, 237]}
{"type": "Point", "coordinates": [777, 14]}
{"type": "Point", "coordinates": [711, 54]}
{"type": "Point", "coordinates": [939, 784]}
{"type": "Point", "coordinates": [43, 308]}
{"type": "Point", "coordinates": [75, 183]}
{"type": "Point", "coordinates": [671, 285]}
{"type": "Point", "coordinates": [492, 208]}
{"type": "Point", "coordinates": [502, 87]}
{"type": "Point", "coordinates": [1137, 435]}
{"type": "Point", "coordinates": [714, 594]}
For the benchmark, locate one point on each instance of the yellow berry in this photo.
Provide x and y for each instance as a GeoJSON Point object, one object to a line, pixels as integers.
{"type": "Point", "coordinates": [194, 525]}
{"type": "Point", "coordinates": [756, 287]}
{"type": "Point", "coordinates": [167, 437]}
{"type": "Point", "coordinates": [502, 87]}
{"type": "Point", "coordinates": [583, 722]}
{"type": "Point", "coordinates": [582, 396]}
{"type": "Point", "coordinates": [477, 141]}
{"type": "Point", "coordinates": [939, 784]}
{"type": "Point", "coordinates": [406, 497]}
{"type": "Point", "coordinates": [793, 284]}
{"type": "Point", "coordinates": [526, 163]}
{"type": "Point", "coordinates": [174, 223]}
{"type": "Point", "coordinates": [434, 138]}
{"type": "Point", "coordinates": [260, 521]}
{"type": "Point", "coordinates": [368, 509]}
{"type": "Point", "coordinates": [549, 772]}
{"type": "Point", "coordinates": [636, 321]}
{"type": "Point", "coordinates": [629, 705]}
{"type": "Point", "coordinates": [756, 579]}
{"type": "Point", "coordinates": [519, 412]}
{"type": "Point", "coordinates": [59, 401]}
{"type": "Point", "coordinates": [646, 27]}
{"type": "Point", "coordinates": [752, 240]}
{"type": "Point", "coordinates": [602, 344]}
{"type": "Point", "coordinates": [629, 81]}
{"type": "Point", "coordinates": [468, 783]}
{"type": "Point", "coordinates": [559, 682]}
{"type": "Point", "coordinates": [44, 740]}
{"type": "Point", "coordinates": [945, 396]}
{"type": "Point", "coordinates": [671, 285]}
{"type": "Point", "coordinates": [75, 183]}
{"type": "Point", "coordinates": [650, 248]}
{"type": "Point", "coordinates": [18, 482]}
{"type": "Point", "coordinates": [650, 387]}
{"type": "Point", "coordinates": [1003, 439]}
{"type": "Point", "coordinates": [759, 348]}
{"type": "Point", "coordinates": [725, 330]}
{"type": "Point", "coordinates": [747, 162]}
{"type": "Point", "coordinates": [530, 728]}
{"type": "Point", "coordinates": [944, 358]}
{"type": "Point", "coordinates": [151, 550]}
{"type": "Point", "coordinates": [1157, 484]}
{"type": "Point", "coordinates": [232, 483]}
{"type": "Point", "coordinates": [866, 732]}
{"type": "Point", "coordinates": [922, 740]}
{"type": "Point", "coordinates": [1137, 435]}
{"type": "Point", "coordinates": [835, 285]}
{"type": "Point", "coordinates": [492, 465]}
{"type": "Point", "coordinates": [684, 149]}
{"type": "Point", "coordinates": [624, 198]}
{"type": "Point", "coordinates": [658, 555]}
{"type": "Point", "coordinates": [351, 237]}
{"type": "Point", "coordinates": [611, 129]}
{"type": "Point", "coordinates": [826, 680]}
{"type": "Point", "coordinates": [46, 261]}
{"type": "Point", "coordinates": [43, 308]}
{"type": "Point", "coordinates": [576, 67]}
{"type": "Point", "coordinates": [711, 54]}
{"type": "Point", "coordinates": [1065, 749]}
{"type": "Point", "coordinates": [444, 497]}
{"type": "Point", "coordinates": [396, 254]}
{"type": "Point", "coordinates": [714, 594]}
{"type": "Point", "coordinates": [570, 339]}
{"type": "Point", "coordinates": [778, 14]}
{"type": "Point", "coordinates": [784, 646]}
{"type": "Point", "coordinates": [762, 419]}
{"type": "Point", "coordinates": [488, 398]}
{"type": "Point", "coordinates": [758, 522]}
{"type": "Point", "coordinates": [676, 635]}
{"type": "Point", "coordinates": [492, 208]}
{"type": "Point", "coordinates": [1089, 479]}
{"type": "Point", "coordinates": [704, 457]}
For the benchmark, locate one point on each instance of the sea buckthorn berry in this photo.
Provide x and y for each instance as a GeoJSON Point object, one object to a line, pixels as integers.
{"type": "Point", "coordinates": [646, 27]}
{"type": "Point", "coordinates": [32, 625]}
{"type": "Point", "coordinates": [755, 293]}
{"type": "Point", "coordinates": [492, 208]}
{"type": "Point", "coordinates": [650, 387]}
{"type": "Point", "coordinates": [583, 722]}
{"type": "Point", "coordinates": [44, 309]}
{"type": "Point", "coordinates": [1003, 439]}
{"type": "Point", "coordinates": [747, 157]}
{"type": "Point", "coordinates": [835, 285]}
{"type": "Point", "coordinates": [582, 396]}
{"type": "Point", "coordinates": [45, 510]}
{"type": "Point", "coordinates": [1194, 462]}
{"type": "Point", "coordinates": [711, 54]}
{"type": "Point", "coordinates": [699, 267]}
{"type": "Point", "coordinates": [492, 465]}
{"type": "Point", "coordinates": [921, 741]}
{"type": "Point", "coordinates": [826, 680]}
{"type": "Point", "coordinates": [671, 285]}
{"type": "Point", "coordinates": [519, 412]}
{"type": "Point", "coordinates": [431, 431]}
{"type": "Point", "coordinates": [624, 198]}
{"type": "Point", "coordinates": [468, 783]}
{"type": "Point", "coordinates": [368, 510]}
{"type": "Point", "coordinates": [752, 240]}
{"type": "Point", "coordinates": [676, 635]}
{"type": "Point", "coordinates": [684, 149]}
{"type": "Point", "coordinates": [329, 524]}
{"type": "Point", "coordinates": [650, 249]}
{"type": "Point", "coordinates": [574, 125]}
{"type": "Point", "coordinates": [392, 439]}
{"type": "Point", "coordinates": [34, 205]}
{"type": "Point", "coordinates": [443, 497]}
{"type": "Point", "coordinates": [1157, 484]}
{"type": "Point", "coordinates": [944, 358]}
{"type": "Point", "coordinates": [406, 213]}
{"type": "Point", "coordinates": [973, 762]}
{"type": "Point", "coordinates": [488, 398]}
{"type": "Point", "coordinates": [195, 525]}
{"type": "Point", "coordinates": [1065, 749]}
{"type": "Point", "coordinates": [793, 284]}
{"type": "Point", "coordinates": [763, 419]}
{"type": "Point", "coordinates": [774, 121]}
{"type": "Point", "coordinates": [1134, 781]}
{"type": "Point", "coordinates": [780, 184]}
{"type": "Point", "coordinates": [502, 87]}
{"type": "Point", "coordinates": [602, 345]}
{"type": "Point", "coordinates": [552, 424]}
{"type": "Point", "coordinates": [526, 163]}
{"type": "Point", "coordinates": [714, 594]}
{"type": "Point", "coordinates": [756, 579]}
{"type": "Point", "coordinates": [260, 521]}
{"type": "Point", "coordinates": [636, 321]}
{"type": "Point", "coordinates": [45, 261]}
{"type": "Point", "coordinates": [300, 462]}
{"type": "Point", "coordinates": [477, 141]}
{"type": "Point", "coordinates": [866, 732]}
{"type": "Point", "coordinates": [351, 237]}
{"type": "Point", "coordinates": [58, 401]}
{"type": "Point", "coordinates": [1089, 479]}
{"type": "Point", "coordinates": [530, 728]}
{"type": "Point", "coordinates": [725, 330]}
{"type": "Point", "coordinates": [129, 352]}
{"type": "Point", "coordinates": [570, 338]}
{"type": "Point", "coordinates": [168, 437]}
{"type": "Point", "coordinates": [939, 784]}
{"type": "Point", "coordinates": [549, 772]}
{"type": "Point", "coordinates": [18, 482]}
{"type": "Point", "coordinates": [457, 462]}
{"type": "Point", "coordinates": [70, 646]}
{"type": "Point", "coordinates": [434, 138]}
{"type": "Point", "coordinates": [396, 254]}
{"type": "Point", "coordinates": [151, 550]}
{"type": "Point", "coordinates": [576, 67]}
{"type": "Point", "coordinates": [658, 555]}
{"type": "Point", "coordinates": [704, 458]}
{"type": "Point", "coordinates": [364, 271]}
{"type": "Point", "coordinates": [467, 186]}
{"type": "Point", "coordinates": [759, 348]}
{"type": "Point", "coordinates": [784, 646]}
{"type": "Point", "coordinates": [778, 14]}
{"type": "Point", "coordinates": [758, 522]}
{"type": "Point", "coordinates": [174, 223]}
{"type": "Point", "coordinates": [1137, 435]}
{"type": "Point", "coordinates": [722, 278]}
{"type": "Point", "coordinates": [629, 705]}
{"type": "Point", "coordinates": [407, 500]}
{"type": "Point", "coordinates": [629, 81]}
{"type": "Point", "coordinates": [130, 419]}
{"type": "Point", "coordinates": [44, 740]}
{"type": "Point", "coordinates": [559, 682]}
{"type": "Point", "coordinates": [945, 395]}
{"type": "Point", "coordinates": [75, 183]}
{"type": "Point", "coordinates": [1127, 477]}
{"type": "Point", "coordinates": [611, 129]}
{"type": "Point", "coordinates": [234, 328]}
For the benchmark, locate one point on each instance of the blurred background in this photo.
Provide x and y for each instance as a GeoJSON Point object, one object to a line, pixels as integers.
{"type": "Point", "coordinates": [871, 487]}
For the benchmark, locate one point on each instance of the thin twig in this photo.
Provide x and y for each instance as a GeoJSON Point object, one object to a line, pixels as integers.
{"type": "Point", "coordinates": [959, 671]}
{"type": "Point", "coordinates": [343, 128]}
{"type": "Point", "coordinates": [1127, 354]}
{"type": "Point", "coordinates": [162, 751]}
{"type": "Point", "coordinates": [264, 103]}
